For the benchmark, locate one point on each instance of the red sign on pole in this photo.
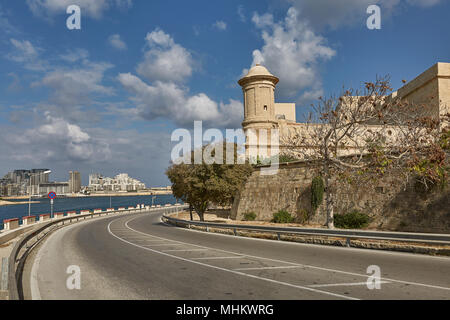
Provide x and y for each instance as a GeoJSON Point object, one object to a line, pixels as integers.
{"type": "Point", "coordinates": [52, 195]}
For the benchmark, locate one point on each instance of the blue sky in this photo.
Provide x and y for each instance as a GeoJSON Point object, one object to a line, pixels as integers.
{"type": "Point", "coordinates": [106, 98]}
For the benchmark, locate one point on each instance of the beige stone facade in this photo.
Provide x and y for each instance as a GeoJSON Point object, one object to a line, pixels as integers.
{"type": "Point", "coordinates": [264, 119]}
{"type": "Point", "coordinates": [390, 204]}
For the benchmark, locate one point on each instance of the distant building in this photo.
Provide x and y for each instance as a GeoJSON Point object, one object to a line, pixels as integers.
{"type": "Point", "coordinates": [74, 182]}
{"type": "Point", "coordinates": [120, 183]}
{"type": "Point", "coordinates": [95, 178]}
{"type": "Point", "coordinates": [17, 182]}
{"type": "Point", "coordinates": [60, 188]}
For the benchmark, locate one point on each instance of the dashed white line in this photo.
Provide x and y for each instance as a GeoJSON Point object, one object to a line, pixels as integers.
{"type": "Point", "coordinates": [183, 250]}
{"type": "Point", "coordinates": [163, 244]}
{"type": "Point", "coordinates": [305, 265]}
{"type": "Point", "coordinates": [269, 268]}
{"type": "Point", "coordinates": [216, 258]}
{"type": "Point", "coordinates": [286, 262]}
{"type": "Point", "coordinates": [343, 284]}
{"type": "Point", "coordinates": [228, 270]}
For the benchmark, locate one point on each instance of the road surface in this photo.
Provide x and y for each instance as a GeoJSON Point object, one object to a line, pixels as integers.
{"type": "Point", "coordinates": [139, 257]}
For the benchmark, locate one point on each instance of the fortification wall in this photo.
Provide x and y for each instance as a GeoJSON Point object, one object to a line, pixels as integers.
{"type": "Point", "coordinates": [388, 203]}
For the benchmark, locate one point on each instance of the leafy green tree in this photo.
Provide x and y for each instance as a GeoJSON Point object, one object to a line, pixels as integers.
{"type": "Point", "coordinates": [205, 183]}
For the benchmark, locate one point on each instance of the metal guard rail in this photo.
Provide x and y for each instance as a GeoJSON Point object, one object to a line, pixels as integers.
{"type": "Point", "coordinates": [432, 238]}
{"type": "Point", "coordinates": [14, 276]}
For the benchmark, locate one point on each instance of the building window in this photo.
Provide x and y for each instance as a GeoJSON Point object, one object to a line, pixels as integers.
{"type": "Point", "coordinates": [265, 108]}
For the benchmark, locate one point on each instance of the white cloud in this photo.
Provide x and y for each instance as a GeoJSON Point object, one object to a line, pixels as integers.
{"type": "Point", "coordinates": [75, 55]}
{"type": "Point", "coordinates": [322, 13]}
{"type": "Point", "coordinates": [241, 13]}
{"type": "Point", "coordinates": [5, 24]}
{"type": "Point", "coordinates": [165, 60]}
{"type": "Point", "coordinates": [25, 53]}
{"type": "Point", "coordinates": [424, 3]}
{"type": "Point", "coordinates": [170, 101]}
{"type": "Point", "coordinates": [221, 25]}
{"type": "Point", "coordinates": [263, 21]}
{"type": "Point", "coordinates": [93, 8]}
{"type": "Point", "coordinates": [74, 86]}
{"type": "Point", "coordinates": [15, 84]}
{"type": "Point", "coordinates": [165, 65]}
{"type": "Point", "coordinates": [57, 140]}
{"type": "Point", "coordinates": [334, 14]}
{"type": "Point", "coordinates": [94, 149]}
{"type": "Point", "coordinates": [116, 42]}
{"type": "Point", "coordinates": [292, 51]}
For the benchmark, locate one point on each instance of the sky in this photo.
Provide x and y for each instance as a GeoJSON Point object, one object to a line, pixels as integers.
{"type": "Point", "coordinates": [106, 98]}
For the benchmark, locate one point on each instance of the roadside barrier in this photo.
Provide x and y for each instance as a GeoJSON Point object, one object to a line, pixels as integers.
{"type": "Point", "coordinates": [24, 245]}
{"type": "Point", "coordinates": [348, 235]}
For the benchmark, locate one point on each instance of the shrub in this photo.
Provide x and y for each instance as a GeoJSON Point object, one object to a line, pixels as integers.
{"type": "Point", "coordinates": [282, 216]}
{"type": "Point", "coordinates": [317, 190]}
{"type": "Point", "coordinates": [303, 216]}
{"type": "Point", "coordinates": [249, 216]}
{"type": "Point", "coordinates": [351, 220]}
{"type": "Point", "coordinates": [283, 158]}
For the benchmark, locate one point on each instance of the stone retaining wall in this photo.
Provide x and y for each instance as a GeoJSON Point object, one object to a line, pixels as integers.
{"type": "Point", "coordinates": [388, 203]}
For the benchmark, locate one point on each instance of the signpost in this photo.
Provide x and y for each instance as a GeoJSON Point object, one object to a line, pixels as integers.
{"type": "Point", "coordinates": [51, 196]}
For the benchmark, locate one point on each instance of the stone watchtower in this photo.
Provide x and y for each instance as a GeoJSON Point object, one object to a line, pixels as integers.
{"type": "Point", "coordinates": [258, 87]}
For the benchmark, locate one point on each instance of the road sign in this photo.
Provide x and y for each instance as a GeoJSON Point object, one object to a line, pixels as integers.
{"type": "Point", "coordinates": [52, 195]}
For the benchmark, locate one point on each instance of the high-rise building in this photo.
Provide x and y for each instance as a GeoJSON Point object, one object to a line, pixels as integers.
{"type": "Point", "coordinates": [17, 182]}
{"type": "Point", "coordinates": [121, 182]}
{"type": "Point", "coordinates": [74, 182]}
{"type": "Point", "coordinates": [38, 176]}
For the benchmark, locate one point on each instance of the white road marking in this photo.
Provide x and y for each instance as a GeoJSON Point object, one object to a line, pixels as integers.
{"type": "Point", "coordinates": [183, 250]}
{"type": "Point", "coordinates": [303, 265]}
{"type": "Point", "coordinates": [343, 284]}
{"type": "Point", "coordinates": [268, 268]}
{"type": "Point", "coordinates": [214, 258]}
{"type": "Point", "coordinates": [163, 245]}
{"type": "Point", "coordinates": [228, 270]}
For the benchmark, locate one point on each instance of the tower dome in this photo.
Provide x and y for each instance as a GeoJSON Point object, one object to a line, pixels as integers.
{"type": "Point", "coordinates": [258, 71]}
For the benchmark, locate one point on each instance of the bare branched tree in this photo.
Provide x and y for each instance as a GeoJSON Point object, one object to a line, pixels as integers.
{"type": "Point", "coordinates": [369, 132]}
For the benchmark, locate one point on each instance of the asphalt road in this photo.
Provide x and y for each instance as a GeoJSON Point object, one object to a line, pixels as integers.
{"type": "Point", "coordinates": [139, 257]}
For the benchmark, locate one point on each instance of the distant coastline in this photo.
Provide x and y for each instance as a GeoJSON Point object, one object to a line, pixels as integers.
{"type": "Point", "coordinates": [115, 194]}
{"type": "Point", "coordinates": [121, 194]}
{"type": "Point", "coordinates": [11, 203]}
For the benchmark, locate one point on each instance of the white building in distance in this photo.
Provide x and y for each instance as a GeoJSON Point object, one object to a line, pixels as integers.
{"type": "Point", "coordinates": [120, 183]}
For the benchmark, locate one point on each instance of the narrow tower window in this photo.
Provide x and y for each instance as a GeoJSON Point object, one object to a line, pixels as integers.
{"type": "Point", "coordinates": [265, 108]}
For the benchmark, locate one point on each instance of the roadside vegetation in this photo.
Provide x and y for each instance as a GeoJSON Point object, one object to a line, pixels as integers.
{"type": "Point", "coordinates": [352, 220]}
{"type": "Point", "coordinates": [282, 216]}
{"type": "Point", "coordinates": [203, 184]}
{"type": "Point", "coordinates": [249, 216]}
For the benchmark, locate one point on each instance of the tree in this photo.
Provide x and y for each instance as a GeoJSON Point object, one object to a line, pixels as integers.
{"type": "Point", "coordinates": [369, 132]}
{"type": "Point", "coordinates": [203, 184]}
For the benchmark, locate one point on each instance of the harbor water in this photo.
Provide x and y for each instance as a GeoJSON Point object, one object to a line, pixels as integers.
{"type": "Point", "coordinates": [79, 203]}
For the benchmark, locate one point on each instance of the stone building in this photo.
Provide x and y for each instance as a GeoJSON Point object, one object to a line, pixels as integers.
{"type": "Point", "coordinates": [390, 205]}
{"type": "Point", "coordinates": [262, 114]}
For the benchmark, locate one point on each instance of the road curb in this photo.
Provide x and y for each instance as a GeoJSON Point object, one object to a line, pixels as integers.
{"type": "Point", "coordinates": [332, 240]}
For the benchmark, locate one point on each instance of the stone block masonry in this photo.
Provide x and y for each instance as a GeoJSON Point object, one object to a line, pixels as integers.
{"type": "Point", "coordinates": [387, 202]}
